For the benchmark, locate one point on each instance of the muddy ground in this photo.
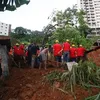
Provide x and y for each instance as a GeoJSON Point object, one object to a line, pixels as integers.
{"type": "Point", "coordinates": [28, 84]}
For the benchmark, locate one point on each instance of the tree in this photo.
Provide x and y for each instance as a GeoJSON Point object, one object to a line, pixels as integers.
{"type": "Point", "coordinates": [70, 25]}
{"type": "Point", "coordinates": [48, 30]}
{"type": "Point", "coordinates": [11, 5]}
{"type": "Point", "coordinates": [20, 30]}
{"type": "Point", "coordinates": [83, 27]}
{"type": "Point", "coordinates": [65, 18]}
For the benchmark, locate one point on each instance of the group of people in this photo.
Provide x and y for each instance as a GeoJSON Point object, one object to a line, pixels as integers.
{"type": "Point", "coordinates": [66, 52]}
{"type": "Point", "coordinates": [35, 55]}
{"type": "Point", "coordinates": [31, 54]}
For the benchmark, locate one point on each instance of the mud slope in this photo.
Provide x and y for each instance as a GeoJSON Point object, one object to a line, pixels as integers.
{"type": "Point", "coordinates": [94, 55]}
{"type": "Point", "coordinates": [28, 84]}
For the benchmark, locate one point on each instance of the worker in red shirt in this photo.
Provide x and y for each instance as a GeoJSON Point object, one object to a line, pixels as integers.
{"type": "Point", "coordinates": [17, 54]}
{"type": "Point", "coordinates": [22, 48]}
{"type": "Point", "coordinates": [73, 53]}
{"type": "Point", "coordinates": [66, 48]}
{"type": "Point", "coordinates": [80, 53]}
{"type": "Point", "coordinates": [15, 48]}
{"type": "Point", "coordinates": [57, 50]}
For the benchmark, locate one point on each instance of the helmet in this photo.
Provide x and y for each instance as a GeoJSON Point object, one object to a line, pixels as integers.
{"type": "Point", "coordinates": [67, 40]}
{"type": "Point", "coordinates": [73, 45]}
{"type": "Point", "coordinates": [17, 44]}
{"type": "Point", "coordinates": [80, 45]}
{"type": "Point", "coordinates": [56, 41]}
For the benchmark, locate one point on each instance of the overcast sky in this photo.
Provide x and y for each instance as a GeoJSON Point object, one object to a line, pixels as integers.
{"type": "Point", "coordinates": [35, 15]}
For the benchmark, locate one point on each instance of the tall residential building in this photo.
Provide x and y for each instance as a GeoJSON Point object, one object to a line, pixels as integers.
{"type": "Point", "coordinates": [5, 29]}
{"type": "Point", "coordinates": [92, 9]}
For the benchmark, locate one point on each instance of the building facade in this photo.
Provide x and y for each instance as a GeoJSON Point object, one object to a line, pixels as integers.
{"type": "Point", "coordinates": [92, 17]}
{"type": "Point", "coordinates": [4, 29]}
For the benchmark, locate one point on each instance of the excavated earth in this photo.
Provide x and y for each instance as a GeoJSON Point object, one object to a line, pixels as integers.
{"type": "Point", "coordinates": [94, 56]}
{"type": "Point", "coordinates": [29, 84]}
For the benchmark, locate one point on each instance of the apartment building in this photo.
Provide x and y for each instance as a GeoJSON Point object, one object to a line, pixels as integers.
{"type": "Point", "coordinates": [92, 9]}
{"type": "Point", "coordinates": [4, 29]}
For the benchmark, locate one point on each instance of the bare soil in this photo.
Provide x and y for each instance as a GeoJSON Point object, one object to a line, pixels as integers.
{"type": "Point", "coordinates": [95, 56]}
{"type": "Point", "coordinates": [28, 84]}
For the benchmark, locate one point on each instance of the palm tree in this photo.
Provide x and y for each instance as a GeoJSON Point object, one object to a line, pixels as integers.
{"type": "Point", "coordinates": [11, 5]}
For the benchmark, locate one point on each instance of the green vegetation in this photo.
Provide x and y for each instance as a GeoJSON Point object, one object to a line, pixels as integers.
{"type": "Point", "coordinates": [95, 97]}
{"type": "Point", "coordinates": [21, 34]}
{"type": "Point", "coordinates": [68, 24]}
{"type": "Point", "coordinates": [85, 74]}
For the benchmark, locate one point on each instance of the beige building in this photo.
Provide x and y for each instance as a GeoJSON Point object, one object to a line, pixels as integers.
{"type": "Point", "coordinates": [4, 29]}
{"type": "Point", "coordinates": [92, 9]}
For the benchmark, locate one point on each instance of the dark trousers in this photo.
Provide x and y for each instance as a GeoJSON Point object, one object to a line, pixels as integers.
{"type": "Point", "coordinates": [73, 59]}
{"type": "Point", "coordinates": [66, 56]}
{"type": "Point", "coordinates": [58, 58]}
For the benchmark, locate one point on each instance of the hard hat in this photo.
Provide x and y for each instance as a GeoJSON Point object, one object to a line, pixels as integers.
{"type": "Point", "coordinates": [73, 45]}
{"type": "Point", "coordinates": [56, 41]}
{"type": "Point", "coordinates": [67, 40]}
{"type": "Point", "coordinates": [80, 45]}
{"type": "Point", "coordinates": [17, 44]}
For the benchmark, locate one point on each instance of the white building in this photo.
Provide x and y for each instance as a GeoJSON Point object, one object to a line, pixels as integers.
{"type": "Point", "coordinates": [92, 9]}
{"type": "Point", "coordinates": [4, 29]}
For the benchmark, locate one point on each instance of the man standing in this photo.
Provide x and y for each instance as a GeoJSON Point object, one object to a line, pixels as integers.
{"type": "Point", "coordinates": [57, 50]}
{"type": "Point", "coordinates": [29, 58]}
{"type": "Point", "coordinates": [43, 58]}
{"type": "Point", "coordinates": [17, 54]}
{"type": "Point", "coordinates": [22, 52]}
{"type": "Point", "coordinates": [22, 48]}
{"type": "Point", "coordinates": [80, 52]}
{"type": "Point", "coordinates": [34, 50]}
{"type": "Point", "coordinates": [73, 53]}
{"type": "Point", "coordinates": [66, 48]}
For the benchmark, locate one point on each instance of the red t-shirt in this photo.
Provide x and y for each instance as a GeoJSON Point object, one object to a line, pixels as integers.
{"type": "Point", "coordinates": [17, 50]}
{"type": "Point", "coordinates": [56, 49]}
{"type": "Point", "coordinates": [26, 53]}
{"type": "Point", "coordinates": [80, 51]}
{"type": "Point", "coordinates": [66, 46]}
{"type": "Point", "coordinates": [21, 49]}
{"type": "Point", "coordinates": [73, 52]}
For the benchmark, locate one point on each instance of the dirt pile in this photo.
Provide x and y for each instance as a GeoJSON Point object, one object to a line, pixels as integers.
{"type": "Point", "coordinates": [94, 56]}
{"type": "Point", "coordinates": [28, 84]}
